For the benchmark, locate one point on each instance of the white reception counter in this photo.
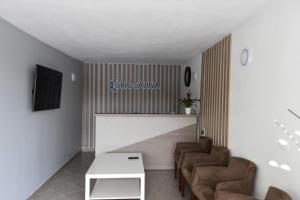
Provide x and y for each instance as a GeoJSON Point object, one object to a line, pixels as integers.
{"type": "Point", "coordinates": [154, 135]}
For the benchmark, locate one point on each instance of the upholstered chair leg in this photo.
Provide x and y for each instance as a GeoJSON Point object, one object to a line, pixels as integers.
{"type": "Point", "coordinates": [175, 171]}
{"type": "Point", "coordinates": [193, 197]}
{"type": "Point", "coordinates": [180, 179]}
{"type": "Point", "coordinates": [182, 184]}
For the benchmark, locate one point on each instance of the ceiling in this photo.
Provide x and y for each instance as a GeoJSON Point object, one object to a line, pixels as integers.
{"type": "Point", "coordinates": [165, 31]}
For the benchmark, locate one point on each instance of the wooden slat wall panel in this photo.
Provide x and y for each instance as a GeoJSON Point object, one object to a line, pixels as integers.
{"type": "Point", "coordinates": [215, 84]}
{"type": "Point", "coordinates": [97, 98]}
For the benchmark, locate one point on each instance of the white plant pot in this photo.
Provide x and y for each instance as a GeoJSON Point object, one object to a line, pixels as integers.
{"type": "Point", "coordinates": [188, 111]}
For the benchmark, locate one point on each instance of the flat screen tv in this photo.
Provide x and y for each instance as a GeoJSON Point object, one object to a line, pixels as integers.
{"type": "Point", "coordinates": [47, 89]}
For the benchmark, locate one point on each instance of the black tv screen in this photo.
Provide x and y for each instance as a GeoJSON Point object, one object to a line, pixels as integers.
{"type": "Point", "coordinates": [47, 89]}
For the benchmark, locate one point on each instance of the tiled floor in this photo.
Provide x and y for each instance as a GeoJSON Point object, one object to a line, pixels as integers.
{"type": "Point", "coordinates": [68, 183]}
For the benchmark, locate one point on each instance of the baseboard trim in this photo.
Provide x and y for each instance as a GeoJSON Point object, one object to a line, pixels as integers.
{"type": "Point", "coordinates": [60, 167]}
{"type": "Point", "coordinates": [87, 149]}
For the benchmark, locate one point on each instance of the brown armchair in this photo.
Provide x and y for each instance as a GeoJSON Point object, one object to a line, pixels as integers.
{"type": "Point", "coordinates": [204, 145]}
{"type": "Point", "coordinates": [272, 194]}
{"type": "Point", "coordinates": [224, 195]}
{"type": "Point", "coordinates": [219, 156]}
{"type": "Point", "coordinates": [237, 177]}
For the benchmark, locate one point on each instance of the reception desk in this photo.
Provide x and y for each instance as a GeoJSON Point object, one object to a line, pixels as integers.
{"type": "Point", "coordinates": [154, 135]}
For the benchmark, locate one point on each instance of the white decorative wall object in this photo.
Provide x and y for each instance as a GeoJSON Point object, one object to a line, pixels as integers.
{"type": "Point", "coordinates": [290, 135]}
{"type": "Point", "coordinates": [73, 77]}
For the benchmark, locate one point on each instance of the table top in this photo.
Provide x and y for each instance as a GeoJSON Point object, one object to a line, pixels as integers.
{"type": "Point", "coordinates": [116, 165]}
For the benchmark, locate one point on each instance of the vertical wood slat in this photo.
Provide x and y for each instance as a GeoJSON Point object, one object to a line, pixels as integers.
{"type": "Point", "coordinates": [228, 63]}
{"type": "Point", "coordinates": [221, 93]}
{"type": "Point", "coordinates": [89, 103]}
{"type": "Point", "coordinates": [210, 95]}
{"type": "Point", "coordinates": [98, 98]}
{"type": "Point", "coordinates": [215, 91]}
{"type": "Point", "coordinates": [216, 81]}
{"type": "Point", "coordinates": [93, 103]}
{"type": "Point", "coordinates": [84, 103]}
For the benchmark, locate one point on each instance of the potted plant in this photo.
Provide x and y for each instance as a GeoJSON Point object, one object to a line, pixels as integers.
{"type": "Point", "coordinates": [188, 102]}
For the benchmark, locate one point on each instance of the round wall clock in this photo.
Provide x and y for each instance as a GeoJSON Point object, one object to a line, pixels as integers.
{"type": "Point", "coordinates": [245, 56]}
{"type": "Point", "coordinates": [187, 76]}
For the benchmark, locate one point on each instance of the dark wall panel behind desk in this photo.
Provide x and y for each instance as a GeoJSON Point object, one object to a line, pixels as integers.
{"type": "Point", "coordinates": [98, 98]}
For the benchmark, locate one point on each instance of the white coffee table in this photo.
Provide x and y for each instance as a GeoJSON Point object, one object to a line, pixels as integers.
{"type": "Point", "coordinates": [117, 177]}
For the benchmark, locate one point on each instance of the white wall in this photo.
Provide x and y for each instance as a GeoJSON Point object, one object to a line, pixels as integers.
{"type": "Point", "coordinates": [33, 145]}
{"type": "Point", "coordinates": [264, 90]}
{"type": "Point", "coordinates": [195, 64]}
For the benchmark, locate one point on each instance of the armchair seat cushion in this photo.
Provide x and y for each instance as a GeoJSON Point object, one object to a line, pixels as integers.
{"type": "Point", "coordinates": [203, 192]}
{"type": "Point", "coordinates": [237, 177]}
{"type": "Point", "coordinates": [219, 156]}
{"type": "Point", "coordinates": [224, 195]}
{"type": "Point", "coordinates": [277, 194]}
{"type": "Point", "coordinates": [273, 194]}
{"type": "Point", "coordinates": [204, 145]}
{"type": "Point", "coordinates": [180, 157]}
{"type": "Point", "coordinates": [183, 145]}
{"type": "Point", "coordinates": [241, 186]}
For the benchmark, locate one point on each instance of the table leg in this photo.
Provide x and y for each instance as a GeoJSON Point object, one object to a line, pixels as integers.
{"type": "Point", "coordinates": [87, 188]}
{"type": "Point", "coordinates": [142, 182]}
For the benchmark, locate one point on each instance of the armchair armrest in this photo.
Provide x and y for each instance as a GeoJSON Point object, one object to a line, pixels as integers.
{"type": "Point", "coordinates": [193, 149]}
{"type": "Point", "coordinates": [191, 157]}
{"type": "Point", "coordinates": [182, 145]}
{"type": "Point", "coordinates": [209, 175]}
{"type": "Point", "coordinates": [205, 163]}
{"type": "Point", "coordinates": [209, 163]}
{"type": "Point", "coordinates": [241, 187]}
{"type": "Point", "coordinates": [224, 195]}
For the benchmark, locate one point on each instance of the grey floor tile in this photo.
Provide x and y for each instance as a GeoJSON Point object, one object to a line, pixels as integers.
{"type": "Point", "coordinates": [68, 183]}
{"type": "Point", "coordinates": [79, 195]}
{"type": "Point", "coordinates": [46, 195]}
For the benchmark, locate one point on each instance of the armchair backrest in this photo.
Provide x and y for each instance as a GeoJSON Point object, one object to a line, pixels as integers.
{"type": "Point", "coordinates": [221, 154]}
{"type": "Point", "coordinates": [277, 194]}
{"type": "Point", "coordinates": [243, 170]}
{"type": "Point", "coordinates": [205, 143]}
